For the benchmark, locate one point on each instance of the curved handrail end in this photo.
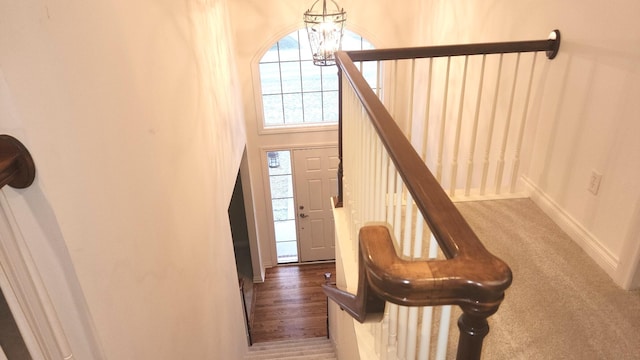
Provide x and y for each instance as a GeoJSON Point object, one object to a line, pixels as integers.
{"type": "Point", "coordinates": [17, 168]}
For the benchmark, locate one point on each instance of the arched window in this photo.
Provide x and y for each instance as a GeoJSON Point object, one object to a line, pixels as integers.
{"type": "Point", "coordinates": [297, 93]}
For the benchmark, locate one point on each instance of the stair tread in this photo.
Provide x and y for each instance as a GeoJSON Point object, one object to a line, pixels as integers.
{"type": "Point", "coordinates": [293, 349]}
{"type": "Point", "coordinates": [290, 343]}
{"type": "Point", "coordinates": [294, 341]}
{"type": "Point", "coordinates": [291, 356]}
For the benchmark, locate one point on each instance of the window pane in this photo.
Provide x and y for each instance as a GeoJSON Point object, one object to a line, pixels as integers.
{"type": "Point", "coordinates": [287, 251]}
{"type": "Point", "coordinates": [279, 163]}
{"type": "Point", "coordinates": [291, 81]}
{"type": "Point", "coordinates": [281, 186]}
{"type": "Point", "coordinates": [367, 45]}
{"type": "Point", "coordinates": [369, 71]}
{"type": "Point", "coordinates": [292, 108]}
{"type": "Point", "coordinates": [310, 77]}
{"type": "Point", "coordinates": [305, 48]}
{"type": "Point", "coordinates": [330, 104]}
{"type": "Point", "coordinates": [329, 78]}
{"type": "Point", "coordinates": [351, 41]}
{"type": "Point", "coordinates": [272, 109]}
{"type": "Point", "coordinates": [313, 107]}
{"type": "Point", "coordinates": [271, 55]}
{"type": "Point", "coordinates": [289, 47]}
{"type": "Point", "coordinates": [283, 209]}
{"type": "Point", "coordinates": [308, 93]}
{"type": "Point", "coordinates": [285, 230]}
{"type": "Point", "coordinates": [270, 78]}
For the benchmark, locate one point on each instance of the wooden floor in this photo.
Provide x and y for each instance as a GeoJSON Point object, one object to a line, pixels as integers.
{"type": "Point", "coordinates": [290, 303]}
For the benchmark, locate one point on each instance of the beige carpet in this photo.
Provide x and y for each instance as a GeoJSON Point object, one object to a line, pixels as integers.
{"type": "Point", "coordinates": [561, 304]}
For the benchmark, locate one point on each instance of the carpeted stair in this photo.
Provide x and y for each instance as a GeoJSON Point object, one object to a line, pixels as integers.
{"type": "Point", "coordinates": [301, 349]}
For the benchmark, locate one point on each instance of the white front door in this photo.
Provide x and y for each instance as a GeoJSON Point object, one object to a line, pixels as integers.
{"type": "Point", "coordinates": [315, 174]}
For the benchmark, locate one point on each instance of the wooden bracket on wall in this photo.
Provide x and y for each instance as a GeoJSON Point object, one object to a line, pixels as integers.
{"type": "Point", "coordinates": [17, 168]}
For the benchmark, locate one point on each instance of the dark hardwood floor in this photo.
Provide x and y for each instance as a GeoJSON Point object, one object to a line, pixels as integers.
{"type": "Point", "coordinates": [290, 303]}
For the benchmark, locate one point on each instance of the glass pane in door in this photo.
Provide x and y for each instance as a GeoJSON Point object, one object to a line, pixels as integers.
{"type": "Point", "coordinates": [284, 221]}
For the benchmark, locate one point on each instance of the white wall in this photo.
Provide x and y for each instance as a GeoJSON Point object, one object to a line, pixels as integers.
{"type": "Point", "coordinates": [130, 112]}
{"type": "Point", "coordinates": [587, 115]}
{"type": "Point", "coordinates": [258, 24]}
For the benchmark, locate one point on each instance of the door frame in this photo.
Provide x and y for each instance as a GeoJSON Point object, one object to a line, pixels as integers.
{"type": "Point", "coordinates": [26, 294]}
{"type": "Point", "coordinates": [267, 190]}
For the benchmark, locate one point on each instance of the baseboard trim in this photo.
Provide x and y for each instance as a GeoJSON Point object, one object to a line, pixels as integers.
{"type": "Point", "coordinates": [488, 197]}
{"type": "Point", "coordinates": [585, 239]}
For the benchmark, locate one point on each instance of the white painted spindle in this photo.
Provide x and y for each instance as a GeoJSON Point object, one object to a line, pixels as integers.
{"type": "Point", "coordinates": [492, 119]}
{"type": "Point", "coordinates": [443, 332]}
{"type": "Point", "coordinates": [507, 126]}
{"type": "Point", "coordinates": [443, 122]}
{"type": "Point", "coordinates": [410, 97]}
{"type": "Point", "coordinates": [427, 109]}
{"type": "Point", "coordinates": [474, 131]}
{"type": "Point", "coordinates": [456, 145]}
{"type": "Point", "coordinates": [523, 123]}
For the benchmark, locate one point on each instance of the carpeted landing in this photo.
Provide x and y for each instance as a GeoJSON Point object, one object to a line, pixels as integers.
{"type": "Point", "coordinates": [561, 304]}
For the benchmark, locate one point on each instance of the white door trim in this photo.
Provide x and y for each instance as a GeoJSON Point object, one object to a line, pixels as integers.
{"type": "Point", "coordinates": [26, 294]}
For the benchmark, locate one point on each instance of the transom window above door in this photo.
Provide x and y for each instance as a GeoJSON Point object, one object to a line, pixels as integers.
{"type": "Point", "coordinates": [295, 92]}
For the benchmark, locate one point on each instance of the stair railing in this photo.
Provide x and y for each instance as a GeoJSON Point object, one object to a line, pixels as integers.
{"type": "Point", "coordinates": [390, 195]}
{"type": "Point", "coordinates": [16, 165]}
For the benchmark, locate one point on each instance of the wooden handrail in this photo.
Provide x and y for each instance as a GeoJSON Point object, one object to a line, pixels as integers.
{"type": "Point", "coordinates": [471, 276]}
{"type": "Point", "coordinates": [476, 280]}
{"type": "Point", "coordinates": [16, 165]}
{"type": "Point", "coordinates": [550, 46]}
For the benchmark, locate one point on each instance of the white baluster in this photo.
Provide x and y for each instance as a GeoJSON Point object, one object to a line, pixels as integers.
{"type": "Point", "coordinates": [412, 333]}
{"type": "Point", "coordinates": [485, 165]}
{"type": "Point", "coordinates": [474, 131]}
{"type": "Point", "coordinates": [414, 253]}
{"type": "Point", "coordinates": [378, 80]}
{"type": "Point", "coordinates": [408, 227]}
{"type": "Point", "coordinates": [424, 347]}
{"type": "Point", "coordinates": [403, 315]}
{"type": "Point", "coordinates": [394, 94]}
{"type": "Point", "coordinates": [393, 330]}
{"type": "Point", "coordinates": [366, 174]}
{"type": "Point", "coordinates": [443, 332]}
{"type": "Point", "coordinates": [410, 96]}
{"type": "Point", "coordinates": [516, 160]}
{"type": "Point", "coordinates": [397, 218]}
{"type": "Point", "coordinates": [427, 109]}
{"type": "Point", "coordinates": [390, 191]}
{"type": "Point", "coordinates": [377, 337]}
{"type": "Point", "coordinates": [507, 126]}
{"type": "Point", "coordinates": [384, 177]}
{"type": "Point", "coordinates": [417, 243]}
{"type": "Point", "coordinates": [456, 145]}
{"type": "Point", "coordinates": [443, 122]}
{"type": "Point", "coordinates": [397, 214]}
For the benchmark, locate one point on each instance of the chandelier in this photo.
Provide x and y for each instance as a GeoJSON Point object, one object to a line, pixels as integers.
{"type": "Point", "coordinates": [324, 27]}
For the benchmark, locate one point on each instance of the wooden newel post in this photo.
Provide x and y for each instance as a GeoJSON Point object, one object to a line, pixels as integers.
{"type": "Point", "coordinates": [473, 327]}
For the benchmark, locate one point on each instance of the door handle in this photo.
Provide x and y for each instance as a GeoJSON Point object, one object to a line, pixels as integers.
{"type": "Point", "coordinates": [303, 215]}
